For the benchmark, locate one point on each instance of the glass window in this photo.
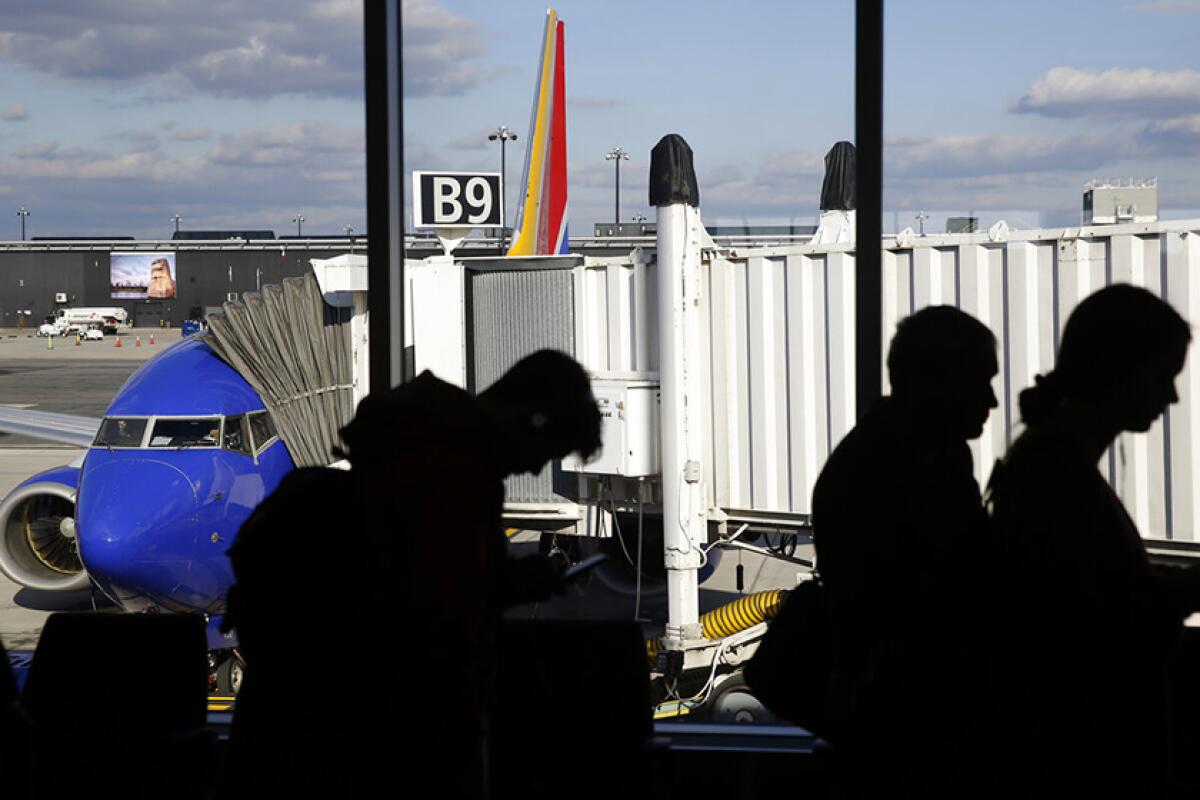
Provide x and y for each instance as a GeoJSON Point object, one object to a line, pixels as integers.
{"type": "Point", "coordinates": [237, 437]}
{"type": "Point", "coordinates": [186, 433]}
{"type": "Point", "coordinates": [263, 429]}
{"type": "Point", "coordinates": [117, 432]}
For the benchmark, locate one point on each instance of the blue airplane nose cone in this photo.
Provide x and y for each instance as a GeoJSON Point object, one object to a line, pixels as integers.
{"type": "Point", "coordinates": [137, 519]}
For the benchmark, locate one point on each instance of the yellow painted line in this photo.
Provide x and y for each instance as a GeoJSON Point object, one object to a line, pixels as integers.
{"type": "Point", "coordinates": [511, 532]}
{"type": "Point", "coordinates": [668, 714]}
{"type": "Point", "coordinates": [217, 698]}
{"type": "Point", "coordinates": [215, 707]}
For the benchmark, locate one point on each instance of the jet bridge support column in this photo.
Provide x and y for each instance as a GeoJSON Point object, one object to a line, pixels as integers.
{"type": "Point", "coordinates": [674, 193]}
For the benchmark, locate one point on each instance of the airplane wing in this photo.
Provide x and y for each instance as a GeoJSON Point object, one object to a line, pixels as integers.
{"type": "Point", "coordinates": [63, 428]}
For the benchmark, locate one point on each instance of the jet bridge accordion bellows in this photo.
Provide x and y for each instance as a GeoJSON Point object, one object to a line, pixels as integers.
{"type": "Point", "coordinates": [294, 350]}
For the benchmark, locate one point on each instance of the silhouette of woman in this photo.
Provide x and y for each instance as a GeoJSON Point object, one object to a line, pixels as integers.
{"type": "Point", "coordinates": [1087, 621]}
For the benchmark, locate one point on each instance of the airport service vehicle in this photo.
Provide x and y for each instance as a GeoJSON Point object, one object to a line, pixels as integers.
{"type": "Point", "coordinates": [93, 335]}
{"type": "Point", "coordinates": [73, 319]}
{"type": "Point", "coordinates": [47, 329]}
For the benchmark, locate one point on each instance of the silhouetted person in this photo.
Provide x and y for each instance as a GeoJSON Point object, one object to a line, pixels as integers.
{"type": "Point", "coordinates": [383, 585]}
{"type": "Point", "coordinates": [432, 461]}
{"type": "Point", "coordinates": [302, 725]}
{"type": "Point", "coordinates": [1088, 622]}
{"type": "Point", "coordinates": [901, 542]}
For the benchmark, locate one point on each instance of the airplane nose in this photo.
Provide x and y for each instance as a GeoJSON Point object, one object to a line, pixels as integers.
{"type": "Point", "coordinates": [135, 516]}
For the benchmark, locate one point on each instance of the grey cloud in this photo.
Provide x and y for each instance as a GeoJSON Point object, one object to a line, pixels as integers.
{"type": "Point", "coordinates": [1112, 93]}
{"type": "Point", "coordinates": [273, 46]}
{"type": "Point", "coordinates": [39, 150]}
{"type": "Point", "coordinates": [86, 191]}
{"type": "Point", "coordinates": [965, 155]}
{"type": "Point", "coordinates": [192, 135]}
{"type": "Point", "coordinates": [439, 47]}
{"type": "Point", "coordinates": [1179, 136]}
{"type": "Point", "coordinates": [140, 141]}
{"type": "Point", "coordinates": [15, 112]}
{"type": "Point", "coordinates": [305, 145]}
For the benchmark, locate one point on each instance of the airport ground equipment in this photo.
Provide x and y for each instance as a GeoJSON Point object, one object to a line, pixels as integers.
{"type": "Point", "coordinates": [72, 319]}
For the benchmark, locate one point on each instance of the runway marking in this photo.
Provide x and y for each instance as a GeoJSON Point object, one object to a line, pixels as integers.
{"type": "Point", "coordinates": [18, 405]}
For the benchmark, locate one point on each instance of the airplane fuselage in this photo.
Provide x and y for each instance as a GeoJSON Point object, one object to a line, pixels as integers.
{"type": "Point", "coordinates": [185, 453]}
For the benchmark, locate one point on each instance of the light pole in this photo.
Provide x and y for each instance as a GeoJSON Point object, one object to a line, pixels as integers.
{"type": "Point", "coordinates": [349, 230]}
{"type": "Point", "coordinates": [176, 219]}
{"type": "Point", "coordinates": [503, 134]}
{"type": "Point", "coordinates": [617, 155]}
{"type": "Point", "coordinates": [299, 220]}
{"type": "Point", "coordinates": [920, 218]}
{"type": "Point", "coordinates": [22, 214]}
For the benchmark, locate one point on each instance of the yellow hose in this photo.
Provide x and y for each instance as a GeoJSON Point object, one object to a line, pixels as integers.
{"type": "Point", "coordinates": [742, 614]}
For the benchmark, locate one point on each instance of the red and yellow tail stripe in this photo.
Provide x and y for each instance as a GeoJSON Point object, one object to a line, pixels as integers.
{"type": "Point", "coordinates": [541, 227]}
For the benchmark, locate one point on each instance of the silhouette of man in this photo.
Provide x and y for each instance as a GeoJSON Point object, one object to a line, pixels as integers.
{"type": "Point", "coordinates": [407, 555]}
{"type": "Point", "coordinates": [435, 459]}
{"type": "Point", "coordinates": [901, 535]}
{"type": "Point", "coordinates": [1089, 622]}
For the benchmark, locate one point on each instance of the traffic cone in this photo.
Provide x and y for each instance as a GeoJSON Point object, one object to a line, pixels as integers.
{"type": "Point", "coordinates": [49, 342]}
{"type": "Point", "coordinates": [138, 342]}
{"type": "Point", "coordinates": [118, 344]}
{"type": "Point", "coordinates": [152, 338]}
{"type": "Point", "coordinates": [78, 340]}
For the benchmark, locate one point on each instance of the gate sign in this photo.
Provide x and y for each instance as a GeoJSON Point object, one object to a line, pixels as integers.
{"type": "Point", "coordinates": [457, 199]}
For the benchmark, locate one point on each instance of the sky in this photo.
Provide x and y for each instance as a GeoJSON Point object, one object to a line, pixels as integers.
{"type": "Point", "coordinates": [116, 115]}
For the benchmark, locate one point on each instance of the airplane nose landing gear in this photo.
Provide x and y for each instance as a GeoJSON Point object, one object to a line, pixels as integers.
{"type": "Point", "coordinates": [226, 669]}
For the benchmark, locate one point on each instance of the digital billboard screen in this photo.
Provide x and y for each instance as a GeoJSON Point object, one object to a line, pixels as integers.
{"type": "Point", "coordinates": [143, 276]}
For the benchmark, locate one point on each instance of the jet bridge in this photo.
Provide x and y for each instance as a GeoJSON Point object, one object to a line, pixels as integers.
{"type": "Point", "coordinates": [772, 372]}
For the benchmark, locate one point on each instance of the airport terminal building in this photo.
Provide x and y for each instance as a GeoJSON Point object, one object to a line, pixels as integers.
{"type": "Point", "coordinates": [156, 282]}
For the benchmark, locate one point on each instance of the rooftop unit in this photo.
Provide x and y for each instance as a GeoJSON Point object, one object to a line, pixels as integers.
{"type": "Point", "coordinates": [1107, 202]}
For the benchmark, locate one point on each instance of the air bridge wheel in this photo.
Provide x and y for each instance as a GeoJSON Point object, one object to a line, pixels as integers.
{"type": "Point", "coordinates": [230, 674]}
{"type": "Point", "coordinates": [733, 702]}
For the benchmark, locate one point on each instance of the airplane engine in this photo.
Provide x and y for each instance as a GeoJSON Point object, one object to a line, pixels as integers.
{"type": "Point", "coordinates": [38, 547]}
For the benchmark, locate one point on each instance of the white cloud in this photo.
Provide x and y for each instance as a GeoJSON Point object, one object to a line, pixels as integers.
{"type": "Point", "coordinates": [1116, 92]}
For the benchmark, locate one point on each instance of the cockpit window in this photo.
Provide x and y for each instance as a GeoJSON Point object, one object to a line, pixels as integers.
{"type": "Point", "coordinates": [236, 435]}
{"type": "Point", "coordinates": [186, 433]}
{"type": "Point", "coordinates": [263, 428]}
{"type": "Point", "coordinates": [117, 432]}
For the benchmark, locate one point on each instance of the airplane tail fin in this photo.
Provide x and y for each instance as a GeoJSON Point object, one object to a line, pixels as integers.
{"type": "Point", "coordinates": [541, 227]}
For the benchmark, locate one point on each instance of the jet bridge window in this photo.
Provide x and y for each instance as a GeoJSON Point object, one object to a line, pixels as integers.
{"type": "Point", "coordinates": [237, 437]}
{"type": "Point", "coordinates": [186, 433]}
{"type": "Point", "coordinates": [117, 432]}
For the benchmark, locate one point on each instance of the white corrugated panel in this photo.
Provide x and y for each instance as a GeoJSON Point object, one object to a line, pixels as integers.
{"type": "Point", "coordinates": [779, 349]}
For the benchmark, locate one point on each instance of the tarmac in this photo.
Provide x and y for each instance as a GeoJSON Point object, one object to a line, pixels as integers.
{"type": "Point", "coordinates": [67, 379]}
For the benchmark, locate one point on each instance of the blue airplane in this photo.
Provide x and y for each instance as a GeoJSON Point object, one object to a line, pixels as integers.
{"type": "Point", "coordinates": [184, 453]}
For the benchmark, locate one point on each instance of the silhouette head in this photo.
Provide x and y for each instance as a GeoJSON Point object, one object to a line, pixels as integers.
{"type": "Point", "coordinates": [941, 363]}
{"type": "Point", "coordinates": [539, 410]}
{"type": "Point", "coordinates": [1120, 352]}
